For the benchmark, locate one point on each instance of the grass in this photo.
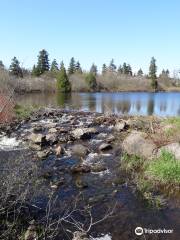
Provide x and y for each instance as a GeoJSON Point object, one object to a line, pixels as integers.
{"type": "Point", "coordinates": [131, 163]}
{"type": "Point", "coordinates": [165, 169]}
{"type": "Point", "coordinates": [23, 111]}
{"type": "Point", "coordinates": [150, 176]}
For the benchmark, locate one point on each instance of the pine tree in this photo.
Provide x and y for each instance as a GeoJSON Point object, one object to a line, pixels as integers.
{"type": "Point", "coordinates": [35, 71]}
{"type": "Point", "coordinates": [93, 69]}
{"type": "Point", "coordinates": [78, 68]}
{"type": "Point", "coordinates": [15, 68]}
{"type": "Point", "coordinates": [72, 66]}
{"type": "Point", "coordinates": [54, 66]}
{"type": "Point", "coordinates": [125, 68]}
{"type": "Point", "coordinates": [104, 68]}
{"type": "Point", "coordinates": [91, 81]}
{"type": "Point", "coordinates": [120, 69]}
{"type": "Point", "coordinates": [152, 73]}
{"type": "Point", "coordinates": [129, 70]}
{"type": "Point", "coordinates": [140, 72]}
{"type": "Point", "coordinates": [43, 62]}
{"type": "Point", "coordinates": [61, 65]}
{"type": "Point", "coordinates": [1, 65]}
{"type": "Point", "coordinates": [112, 66]}
{"type": "Point", "coordinates": [167, 72]}
{"type": "Point", "coordinates": [63, 84]}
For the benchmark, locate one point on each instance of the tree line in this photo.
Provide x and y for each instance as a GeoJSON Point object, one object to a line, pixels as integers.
{"type": "Point", "coordinates": [62, 75]}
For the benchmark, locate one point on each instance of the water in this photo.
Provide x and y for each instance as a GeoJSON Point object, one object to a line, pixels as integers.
{"type": "Point", "coordinates": [126, 103]}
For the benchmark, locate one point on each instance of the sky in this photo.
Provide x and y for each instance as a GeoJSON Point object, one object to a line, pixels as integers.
{"type": "Point", "coordinates": [96, 31]}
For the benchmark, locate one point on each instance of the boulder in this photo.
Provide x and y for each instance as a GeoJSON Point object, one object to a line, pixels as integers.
{"type": "Point", "coordinates": [84, 133]}
{"type": "Point", "coordinates": [136, 143]}
{"type": "Point", "coordinates": [59, 150]}
{"type": "Point", "coordinates": [120, 126]}
{"type": "Point", "coordinates": [80, 150]}
{"type": "Point", "coordinates": [37, 138]}
{"type": "Point", "coordinates": [52, 138]}
{"type": "Point", "coordinates": [105, 146]}
{"type": "Point", "coordinates": [173, 148]}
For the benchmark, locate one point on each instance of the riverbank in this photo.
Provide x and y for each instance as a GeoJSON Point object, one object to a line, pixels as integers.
{"type": "Point", "coordinates": [102, 161]}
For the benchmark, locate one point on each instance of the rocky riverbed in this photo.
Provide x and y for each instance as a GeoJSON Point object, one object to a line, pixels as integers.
{"type": "Point", "coordinates": [76, 158]}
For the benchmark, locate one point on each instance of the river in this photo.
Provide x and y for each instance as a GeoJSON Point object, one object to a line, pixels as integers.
{"type": "Point", "coordinates": [126, 103]}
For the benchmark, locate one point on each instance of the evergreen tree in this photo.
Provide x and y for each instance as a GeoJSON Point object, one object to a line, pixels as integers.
{"type": "Point", "coordinates": [35, 71]}
{"type": "Point", "coordinates": [120, 69]}
{"type": "Point", "coordinates": [15, 68]}
{"type": "Point", "coordinates": [140, 72]}
{"type": "Point", "coordinates": [129, 70]}
{"type": "Point", "coordinates": [125, 68]}
{"type": "Point", "coordinates": [104, 68]}
{"type": "Point", "coordinates": [91, 81]}
{"type": "Point", "coordinates": [61, 65]}
{"type": "Point", "coordinates": [93, 69]}
{"type": "Point", "coordinates": [72, 66]}
{"type": "Point", "coordinates": [112, 66]}
{"type": "Point", "coordinates": [152, 73]}
{"type": "Point", "coordinates": [167, 72]}
{"type": "Point", "coordinates": [78, 68]}
{"type": "Point", "coordinates": [63, 84]}
{"type": "Point", "coordinates": [43, 62]}
{"type": "Point", "coordinates": [54, 66]}
{"type": "Point", "coordinates": [1, 65]}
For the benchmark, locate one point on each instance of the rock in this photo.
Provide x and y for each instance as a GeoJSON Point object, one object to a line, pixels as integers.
{"type": "Point", "coordinates": [173, 148]}
{"type": "Point", "coordinates": [34, 146]}
{"type": "Point", "coordinates": [84, 133]}
{"type": "Point", "coordinates": [59, 150]}
{"type": "Point", "coordinates": [51, 138]}
{"type": "Point", "coordinates": [110, 138]}
{"type": "Point", "coordinates": [105, 146]}
{"type": "Point", "coordinates": [42, 154]}
{"type": "Point", "coordinates": [37, 138]}
{"type": "Point", "coordinates": [52, 130]}
{"type": "Point", "coordinates": [80, 169]}
{"type": "Point", "coordinates": [80, 236]}
{"type": "Point", "coordinates": [98, 168]}
{"type": "Point", "coordinates": [56, 183]}
{"type": "Point", "coordinates": [136, 143]}
{"type": "Point", "coordinates": [119, 126]}
{"type": "Point", "coordinates": [31, 233]}
{"type": "Point", "coordinates": [101, 135]}
{"type": "Point", "coordinates": [80, 150]}
{"type": "Point", "coordinates": [38, 129]}
{"type": "Point", "coordinates": [80, 183]}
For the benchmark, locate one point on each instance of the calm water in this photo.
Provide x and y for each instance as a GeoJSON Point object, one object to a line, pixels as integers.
{"type": "Point", "coordinates": [128, 103]}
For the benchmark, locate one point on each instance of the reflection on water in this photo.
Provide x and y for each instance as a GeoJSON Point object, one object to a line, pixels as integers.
{"type": "Point", "coordinates": [133, 103]}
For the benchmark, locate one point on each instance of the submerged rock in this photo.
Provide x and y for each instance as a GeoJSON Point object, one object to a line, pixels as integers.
{"type": "Point", "coordinates": [80, 169]}
{"type": "Point", "coordinates": [59, 150]}
{"type": "Point", "coordinates": [80, 150]}
{"type": "Point", "coordinates": [136, 143]}
{"type": "Point", "coordinates": [105, 146]}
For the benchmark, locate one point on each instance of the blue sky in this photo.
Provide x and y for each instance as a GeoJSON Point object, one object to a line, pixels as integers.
{"type": "Point", "coordinates": [92, 31]}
